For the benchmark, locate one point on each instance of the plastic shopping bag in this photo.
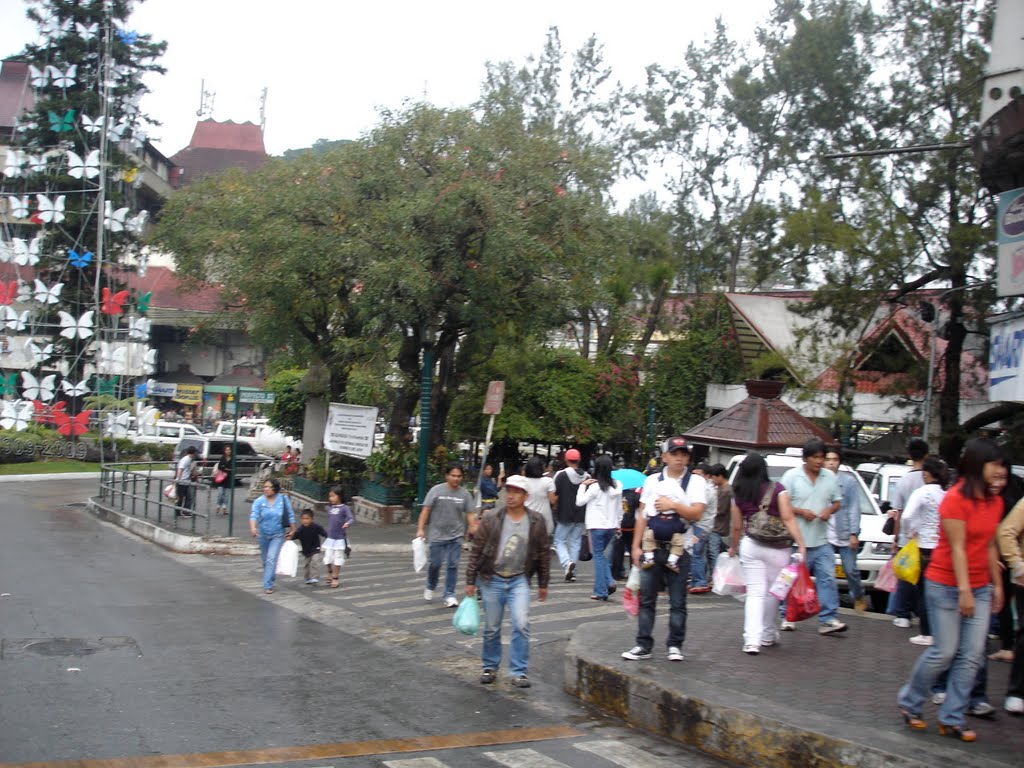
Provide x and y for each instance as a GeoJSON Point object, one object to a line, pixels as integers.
{"type": "Point", "coordinates": [728, 576]}
{"type": "Point", "coordinates": [630, 601]}
{"type": "Point", "coordinates": [907, 565]}
{"type": "Point", "coordinates": [171, 491]}
{"type": "Point", "coordinates": [633, 582]}
{"type": "Point", "coordinates": [467, 616]}
{"type": "Point", "coordinates": [784, 582]}
{"type": "Point", "coordinates": [802, 602]}
{"type": "Point", "coordinates": [288, 559]}
{"type": "Point", "coordinates": [886, 581]}
{"type": "Point", "coordinates": [419, 554]}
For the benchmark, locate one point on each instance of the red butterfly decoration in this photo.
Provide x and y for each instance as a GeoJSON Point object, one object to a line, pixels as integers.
{"type": "Point", "coordinates": [72, 426]}
{"type": "Point", "coordinates": [113, 303]}
{"type": "Point", "coordinates": [8, 293]}
{"type": "Point", "coordinates": [47, 414]}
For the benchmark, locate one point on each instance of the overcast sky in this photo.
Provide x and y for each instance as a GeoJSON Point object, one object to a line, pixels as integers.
{"type": "Point", "coordinates": [328, 65]}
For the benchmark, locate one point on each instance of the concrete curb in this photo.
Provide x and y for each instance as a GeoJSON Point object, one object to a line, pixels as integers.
{"type": "Point", "coordinates": [56, 476]}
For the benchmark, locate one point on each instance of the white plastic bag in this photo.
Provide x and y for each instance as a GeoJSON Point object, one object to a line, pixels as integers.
{"type": "Point", "coordinates": [728, 576]}
{"type": "Point", "coordinates": [419, 554]}
{"type": "Point", "coordinates": [171, 491]}
{"type": "Point", "coordinates": [288, 559]}
{"type": "Point", "coordinates": [633, 582]}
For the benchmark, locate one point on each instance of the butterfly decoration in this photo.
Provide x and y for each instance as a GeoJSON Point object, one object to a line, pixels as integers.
{"type": "Point", "coordinates": [39, 77]}
{"type": "Point", "coordinates": [36, 163]}
{"type": "Point", "coordinates": [116, 132]}
{"type": "Point", "coordinates": [50, 210]}
{"type": "Point", "coordinates": [39, 354]}
{"type": "Point", "coordinates": [46, 295]}
{"type": "Point", "coordinates": [149, 361]}
{"type": "Point", "coordinates": [34, 389]}
{"type": "Point", "coordinates": [89, 167]}
{"type": "Point", "coordinates": [26, 253]}
{"type": "Point", "coordinates": [9, 384]}
{"type": "Point", "coordinates": [128, 36]}
{"type": "Point", "coordinates": [92, 126]}
{"type": "Point", "coordinates": [8, 293]}
{"type": "Point", "coordinates": [72, 426]}
{"type": "Point", "coordinates": [142, 302]}
{"type": "Point", "coordinates": [64, 79]}
{"type": "Point", "coordinates": [75, 390]}
{"type": "Point", "coordinates": [47, 414]}
{"type": "Point", "coordinates": [15, 160]}
{"type": "Point", "coordinates": [113, 303]}
{"type": "Point", "coordinates": [142, 262]}
{"type": "Point", "coordinates": [16, 414]}
{"type": "Point", "coordinates": [24, 127]}
{"type": "Point", "coordinates": [131, 108]}
{"type": "Point", "coordinates": [139, 138]}
{"type": "Point", "coordinates": [54, 27]}
{"type": "Point", "coordinates": [61, 123]}
{"type": "Point", "coordinates": [114, 220]}
{"type": "Point", "coordinates": [129, 175]}
{"type": "Point", "coordinates": [136, 223]}
{"type": "Point", "coordinates": [117, 425]}
{"type": "Point", "coordinates": [24, 292]}
{"type": "Point", "coordinates": [111, 359]}
{"type": "Point", "coordinates": [105, 386]}
{"type": "Point", "coordinates": [72, 328]}
{"type": "Point", "coordinates": [18, 206]}
{"type": "Point", "coordinates": [139, 329]}
{"type": "Point", "coordinates": [86, 32]}
{"type": "Point", "coordinates": [6, 251]}
{"type": "Point", "coordinates": [14, 321]}
{"type": "Point", "coordinates": [79, 259]}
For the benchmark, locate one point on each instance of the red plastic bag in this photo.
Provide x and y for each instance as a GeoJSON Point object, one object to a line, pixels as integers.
{"type": "Point", "coordinates": [802, 602]}
{"type": "Point", "coordinates": [886, 579]}
{"type": "Point", "coordinates": [630, 601]}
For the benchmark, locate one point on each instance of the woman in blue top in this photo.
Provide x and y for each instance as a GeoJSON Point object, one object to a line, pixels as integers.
{"type": "Point", "coordinates": [271, 519]}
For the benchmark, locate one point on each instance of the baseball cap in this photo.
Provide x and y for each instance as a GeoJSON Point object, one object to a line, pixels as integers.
{"type": "Point", "coordinates": [517, 481]}
{"type": "Point", "coordinates": [572, 455]}
{"type": "Point", "coordinates": [675, 444]}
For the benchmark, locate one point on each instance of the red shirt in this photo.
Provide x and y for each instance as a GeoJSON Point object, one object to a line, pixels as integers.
{"type": "Point", "coordinates": [982, 517]}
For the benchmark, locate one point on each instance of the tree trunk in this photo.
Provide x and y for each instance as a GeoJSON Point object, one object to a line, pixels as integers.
{"type": "Point", "coordinates": [405, 402]}
{"type": "Point", "coordinates": [951, 434]}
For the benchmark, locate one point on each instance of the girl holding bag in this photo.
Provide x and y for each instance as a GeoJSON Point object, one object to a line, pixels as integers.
{"type": "Point", "coordinates": [921, 518]}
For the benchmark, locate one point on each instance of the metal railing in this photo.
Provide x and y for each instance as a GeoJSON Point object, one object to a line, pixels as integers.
{"type": "Point", "coordinates": [134, 489]}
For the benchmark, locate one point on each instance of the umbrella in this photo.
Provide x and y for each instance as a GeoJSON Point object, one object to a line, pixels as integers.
{"type": "Point", "coordinates": [629, 478]}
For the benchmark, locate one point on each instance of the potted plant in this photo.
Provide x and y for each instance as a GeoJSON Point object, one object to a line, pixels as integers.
{"type": "Point", "coordinates": [390, 472]}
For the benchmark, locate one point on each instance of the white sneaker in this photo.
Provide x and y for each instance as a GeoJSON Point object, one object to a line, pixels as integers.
{"type": "Point", "coordinates": [428, 595]}
{"type": "Point", "coordinates": [312, 581]}
{"type": "Point", "coordinates": [787, 626]}
{"type": "Point", "coordinates": [1014, 705]}
{"type": "Point", "coordinates": [901, 623]}
{"type": "Point", "coordinates": [938, 698]}
{"type": "Point", "coordinates": [751, 650]}
{"type": "Point", "coordinates": [451, 602]}
{"type": "Point", "coordinates": [675, 654]}
{"type": "Point", "coordinates": [831, 627]}
{"type": "Point", "coordinates": [922, 640]}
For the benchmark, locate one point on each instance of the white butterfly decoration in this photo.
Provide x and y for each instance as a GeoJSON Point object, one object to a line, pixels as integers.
{"type": "Point", "coordinates": [137, 223]}
{"type": "Point", "coordinates": [17, 414]}
{"type": "Point", "coordinates": [89, 167]}
{"type": "Point", "coordinates": [86, 32]}
{"type": "Point", "coordinates": [64, 79]}
{"type": "Point", "coordinates": [26, 254]}
{"type": "Point", "coordinates": [142, 264]}
{"type": "Point", "coordinates": [139, 329]}
{"type": "Point", "coordinates": [28, 125]}
{"type": "Point", "coordinates": [46, 295]}
{"type": "Point", "coordinates": [39, 354]}
{"type": "Point", "coordinates": [114, 220]}
{"type": "Point", "coordinates": [37, 163]}
{"type": "Point", "coordinates": [18, 206]}
{"type": "Point", "coordinates": [116, 132]}
{"type": "Point", "coordinates": [54, 27]}
{"type": "Point", "coordinates": [76, 329]}
{"type": "Point", "coordinates": [112, 358]}
{"type": "Point", "coordinates": [34, 389]}
{"type": "Point", "coordinates": [117, 426]}
{"type": "Point", "coordinates": [92, 126]}
{"type": "Point", "coordinates": [138, 139]}
{"type": "Point", "coordinates": [24, 292]}
{"type": "Point", "coordinates": [14, 321]}
{"type": "Point", "coordinates": [15, 159]}
{"type": "Point", "coordinates": [7, 252]}
{"type": "Point", "coordinates": [51, 210]}
{"type": "Point", "coordinates": [149, 361]}
{"type": "Point", "coordinates": [39, 77]}
{"type": "Point", "coordinates": [131, 107]}
{"type": "Point", "coordinates": [75, 390]}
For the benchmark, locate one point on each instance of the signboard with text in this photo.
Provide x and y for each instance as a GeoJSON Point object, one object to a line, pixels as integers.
{"type": "Point", "coordinates": [349, 429]}
{"type": "Point", "coordinates": [254, 396]}
{"type": "Point", "coordinates": [1005, 374]}
{"type": "Point", "coordinates": [495, 398]}
{"type": "Point", "coordinates": [1010, 243]}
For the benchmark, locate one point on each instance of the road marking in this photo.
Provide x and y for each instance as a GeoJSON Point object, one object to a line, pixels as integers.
{"type": "Point", "coordinates": [415, 762]}
{"type": "Point", "coordinates": [317, 751]}
{"type": "Point", "coordinates": [524, 758]}
{"type": "Point", "coordinates": [624, 755]}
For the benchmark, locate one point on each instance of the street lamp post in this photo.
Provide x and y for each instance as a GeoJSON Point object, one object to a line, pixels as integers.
{"type": "Point", "coordinates": [426, 392]}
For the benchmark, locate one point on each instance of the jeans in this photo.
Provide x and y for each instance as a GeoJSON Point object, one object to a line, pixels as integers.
{"type": "Point", "coordinates": [848, 556]}
{"type": "Point", "coordinates": [223, 494]}
{"type": "Point", "coordinates": [514, 593]}
{"type": "Point", "coordinates": [903, 604]}
{"type": "Point", "coordinates": [821, 562]}
{"type": "Point", "coordinates": [959, 646]}
{"type": "Point", "coordinates": [600, 538]}
{"type": "Point", "coordinates": [270, 548]}
{"type": "Point", "coordinates": [448, 552]}
{"type": "Point", "coordinates": [716, 546]}
{"type": "Point", "coordinates": [761, 564]}
{"type": "Point", "coordinates": [651, 581]}
{"type": "Point", "coordinates": [699, 566]}
{"type": "Point", "coordinates": [186, 498]}
{"type": "Point", "coordinates": [1016, 686]}
{"type": "Point", "coordinates": [567, 542]}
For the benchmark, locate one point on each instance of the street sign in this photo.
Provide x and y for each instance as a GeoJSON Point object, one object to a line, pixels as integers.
{"type": "Point", "coordinates": [255, 396]}
{"type": "Point", "coordinates": [495, 397]}
{"type": "Point", "coordinates": [349, 429]}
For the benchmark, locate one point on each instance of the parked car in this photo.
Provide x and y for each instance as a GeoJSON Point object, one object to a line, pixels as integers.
{"type": "Point", "coordinates": [210, 449]}
{"type": "Point", "coordinates": [165, 432]}
{"type": "Point", "coordinates": [875, 546]}
{"type": "Point", "coordinates": [881, 480]}
{"type": "Point", "coordinates": [258, 433]}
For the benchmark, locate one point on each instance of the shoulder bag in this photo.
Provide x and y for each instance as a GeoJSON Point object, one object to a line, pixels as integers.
{"type": "Point", "coordinates": [768, 529]}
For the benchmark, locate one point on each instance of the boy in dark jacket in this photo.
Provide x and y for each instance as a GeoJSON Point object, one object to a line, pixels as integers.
{"type": "Point", "coordinates": [309, 535]}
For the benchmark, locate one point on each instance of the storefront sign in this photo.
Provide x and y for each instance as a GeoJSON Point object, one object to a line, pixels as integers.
{"type": "Point", "coordinates": [189, 394]}
{"type": "Point", "coordinates": [1005, 374]}
{"type": "Point", "coordinates": [349, 429]}
{"type": "Point", "coordinates": [1010, 241]}
{"type": "Point", "coordinates": [159, 389]}
{"type": "Point", "coordinates": [254, 396]}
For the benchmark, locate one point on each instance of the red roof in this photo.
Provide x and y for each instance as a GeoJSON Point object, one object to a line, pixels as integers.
{"type": "Point", "coordinates": [217, 147]}
{"type": "Point", "coordinates": [209, 134]}
{"type": "Point", "coordinates": [16, 95]}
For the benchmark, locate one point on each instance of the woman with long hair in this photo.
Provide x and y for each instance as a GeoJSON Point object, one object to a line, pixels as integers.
{"type": "Point", "coordinates": [223, 480]}
{"type": "Point", "coordinates": [540, 496]}
{"type": "Point", "coordinates": [963, 586]}
{"type": "Point", "coordinates": [761, 559]}
{"type": "Point", "coordinates": [602, 497]}
{"type": "Point", "coordinates": [920, 518]}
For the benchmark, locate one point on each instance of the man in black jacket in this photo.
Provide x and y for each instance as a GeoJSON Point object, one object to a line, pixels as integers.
{"type": "Point", "coordinates": [569, 518]}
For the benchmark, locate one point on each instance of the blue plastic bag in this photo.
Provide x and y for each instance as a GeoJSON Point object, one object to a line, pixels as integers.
{"type": "Point", "coordinates": [467, 616]}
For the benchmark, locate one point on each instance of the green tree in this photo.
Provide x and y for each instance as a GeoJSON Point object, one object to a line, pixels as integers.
{"type": "Point", "coordinates": [288, 413]}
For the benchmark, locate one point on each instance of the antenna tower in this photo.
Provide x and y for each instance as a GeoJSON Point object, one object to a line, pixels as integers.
{"type": "Point", "coordinates": [206, 99]}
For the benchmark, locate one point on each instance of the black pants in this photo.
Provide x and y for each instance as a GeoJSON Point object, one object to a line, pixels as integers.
{"type": "Point", "coordinates": [621, 548]}
{"type": "Point", "coordinates": [1016, 687]}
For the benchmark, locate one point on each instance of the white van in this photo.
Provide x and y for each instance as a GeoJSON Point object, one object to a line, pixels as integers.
{"type": "Point", "coordinates": [259, 434]}
{"type": "Point", "coordinates": [166, 433]}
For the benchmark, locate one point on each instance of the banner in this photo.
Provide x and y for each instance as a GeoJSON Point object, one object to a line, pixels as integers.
{"type": "Point", "coordinates": [159, 389]}
{"type": "Point", "coordinates": [189, 394]}
{"type": "Point", "coordinates": [1005, 379]}
{"type": "Point", "coordinates": [349, 429]}
{"type": "Point", "coordinates": [1010, 242]}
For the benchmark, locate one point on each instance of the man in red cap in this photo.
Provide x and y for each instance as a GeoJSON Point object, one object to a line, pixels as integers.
{"type": "Point", "coordinates": [570, 518]}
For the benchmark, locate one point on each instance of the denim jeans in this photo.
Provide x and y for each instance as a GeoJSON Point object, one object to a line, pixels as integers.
{"type": "Point", "coordinates": [651, 581]}
{"type": "Point", "coordinates": [903, 603]}
{"type": "Point", "coordinates": [223, 494]}
{"type": "Point", "coordinates": [270, 548]}
{"type": "Point", "coordinates": [447, 552]}
{"type": "Point", "coordinates": [699, 564]}
{"type": "Point", "coordinates": [848, 556]}
{"type": "Point", "coordinates": [761, 565]}
{"type": "Point", "coordinates": [567, 542]}
{"type": "Point", "coordinates": [821, 562]}
{"type": "Point", "coordinates": [514, 593]}
{"type": "Point", "coordinates": [600, 538]}
{"type": "Point", "coordinates": [1016, 686]}
{"type": "Point", "coordinates": [716, 546]}
{"type": "Point", "coordinates": [959, 646]}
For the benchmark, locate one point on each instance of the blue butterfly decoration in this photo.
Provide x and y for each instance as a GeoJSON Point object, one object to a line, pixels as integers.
{"type": "Point", "coordinates": [79, 259]}
{"type": "Point", "coordinates": [128, 37]}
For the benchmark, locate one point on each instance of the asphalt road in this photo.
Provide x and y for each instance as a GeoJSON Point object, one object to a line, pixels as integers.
{"type": "Point", "coordinates": [113, 648]}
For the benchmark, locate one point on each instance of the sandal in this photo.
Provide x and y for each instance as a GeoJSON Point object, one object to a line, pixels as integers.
{"type": "Point", "coordinates": [964, 734]}
{"type": "Point", "coordinates": [1003, 655]}
{"type": "Point", "coordinates": [914, 721]}
{"type": "Point", "coordinates": [335, 583]}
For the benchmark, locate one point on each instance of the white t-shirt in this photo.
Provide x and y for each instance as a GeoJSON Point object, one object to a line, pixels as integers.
{"type": "Point", "coordinates": [654, 486]}
{"type": "Point", "coordinates": [537, 498]}
{"type": "Point", "coordinates": [604, 508]}
{"type": "Point", "coordinates": [921, 515]}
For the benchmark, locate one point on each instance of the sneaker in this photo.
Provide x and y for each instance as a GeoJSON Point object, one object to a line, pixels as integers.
{"type": "Point", "coordinates": [751, 650]}
{"type": "Point", "coordinates": [831, 626]}
{"type": "Point", "coordinates": [1014, 705]}
{"type": "Point", "coordinates": [787, 626]}
{"type": "Point", "coordinates": [451, 602]}
{"type": "Point", "coordinates": [922, 640]}
{"type": "Point", "coordinates": [428, 595]}
{"type": "Point", "coordinates": [860, 604]}
{"type": "Point", "coordinates": [981, 709]}
{"type": "Point", "coordinates": [767, 641]}
{"type": "Point", "coordinates": [938, 698]}
{"type": "Point", "coordinates": [521, 682]}
{"type": "Point", "coordinates": [901, 623]}
{"type": "Point", "coordinates": [699, 590]}
{"type": "Point", "coordinates": [636, 653]}
{"type": "Point", "coordinates": [312, 581]}
{"type": "Point", "coordinates": [570, 572]}
{"type": "Point", "coordinates": [675, 654]}
{"type": "Point", "coordinates": [611, 589]}
{"type": "Point", "coordinates": [487, 676]}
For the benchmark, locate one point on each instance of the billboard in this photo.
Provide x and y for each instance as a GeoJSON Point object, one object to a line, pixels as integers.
{"type": "Point", "coordinates": [1005, 377]}
{"type": "Point", "coordinates": [1010, 243]}
{"type": "Point", "coordinates": [349, 429]}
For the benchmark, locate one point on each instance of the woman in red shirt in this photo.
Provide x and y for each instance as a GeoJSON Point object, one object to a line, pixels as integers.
{"type": "Point", "coordinates": [963, 587]}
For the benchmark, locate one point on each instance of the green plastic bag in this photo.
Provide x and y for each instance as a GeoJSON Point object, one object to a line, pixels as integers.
{"type": "Point", "coordinates": [907, 565]}
{"type": "Point", "coordinates": [467, 616]}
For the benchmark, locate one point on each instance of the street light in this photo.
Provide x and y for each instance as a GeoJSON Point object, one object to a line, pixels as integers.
{"type": "Point", "coordinates": [426, 391]}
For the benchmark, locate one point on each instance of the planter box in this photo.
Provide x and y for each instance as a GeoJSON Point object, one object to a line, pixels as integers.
{"type": "Point", "coordinates": [385, 494]}
{"type": "Point", "coordinates": [311, 488]}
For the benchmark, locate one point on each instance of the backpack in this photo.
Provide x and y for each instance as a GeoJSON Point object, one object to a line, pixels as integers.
{"type": "Point", "coordinates": [665, 526]}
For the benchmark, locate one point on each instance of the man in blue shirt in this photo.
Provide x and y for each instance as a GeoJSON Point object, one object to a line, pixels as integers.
{"type": "Point", "coordinates": [844, 528]}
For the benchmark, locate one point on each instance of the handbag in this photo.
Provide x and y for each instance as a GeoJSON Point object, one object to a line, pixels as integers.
{"type": "Point", "coordinates": [220, 476]}
{"type": "Point", "coordinates": [768, 529]}
{"type": "Point", "coordinates": [288, 559]}
{"type": "Point", "coordinates": [886, 579]}
{"type": "Point", "coordinates": [907, 565]}
{"type": "Point", "coordinates": [467, 616]}
{"type": "Point", "coordinates": [585, 553]}
{"type": "Point", "coordinates": [286, 512]}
